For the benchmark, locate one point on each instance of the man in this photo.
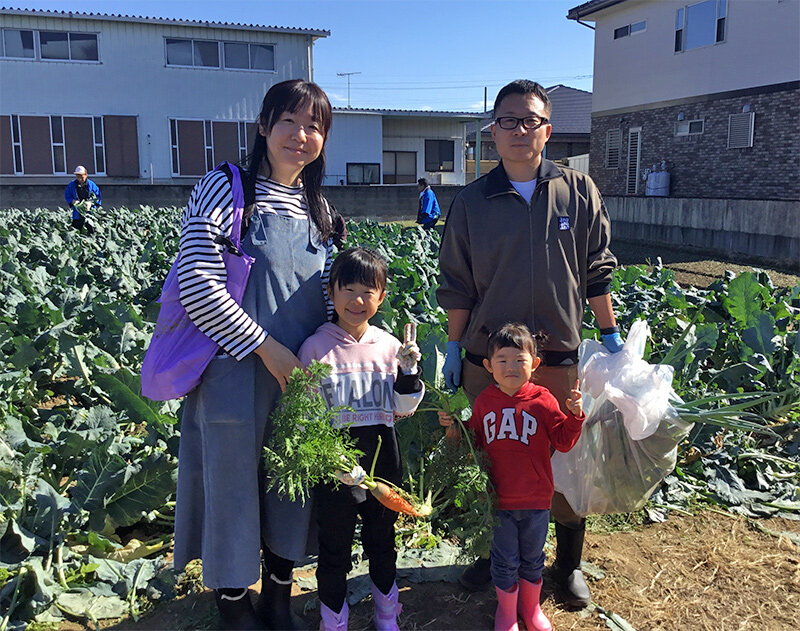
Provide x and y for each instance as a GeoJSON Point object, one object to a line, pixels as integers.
{"type": "Point", "coordinates": [429, 212]}
{"type": "Point", "coordinates": [78, 192]}
{"type": "Point", "coordinates": [528, 242]}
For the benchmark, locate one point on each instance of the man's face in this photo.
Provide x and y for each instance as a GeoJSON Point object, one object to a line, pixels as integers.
{"type": "Point", "coordinates": [520, 144]}
{"type": "Point", "coordinates": [81, 177]}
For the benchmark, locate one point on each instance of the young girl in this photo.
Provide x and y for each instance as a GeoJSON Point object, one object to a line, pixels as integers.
{"type": "Point", "coordinates": [368, 377]}
{"type": "Point", "coordinates": [223, 515]}
{"type": "Point", "coordinates": [517, 424]}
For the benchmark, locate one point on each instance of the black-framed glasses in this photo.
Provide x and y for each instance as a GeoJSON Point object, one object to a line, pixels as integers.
{"type": "Point", "coordinates": [528, 122]}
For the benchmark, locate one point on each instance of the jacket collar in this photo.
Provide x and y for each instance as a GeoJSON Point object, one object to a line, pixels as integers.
{"type": "Point", "coordinates": [497, 182]}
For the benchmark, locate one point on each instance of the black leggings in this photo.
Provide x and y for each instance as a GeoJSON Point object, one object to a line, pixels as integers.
{"type": "Point", "coordinates": [337, 524]}
{"type": "Point", "coordinates": [279, 567]}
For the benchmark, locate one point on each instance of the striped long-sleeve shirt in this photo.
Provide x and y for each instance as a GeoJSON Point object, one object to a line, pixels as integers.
{"type": "Point", "coordinates": [201, 270]}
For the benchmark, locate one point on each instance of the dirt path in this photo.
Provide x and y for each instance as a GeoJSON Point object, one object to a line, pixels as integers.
{"type": "Point", "coordinates": [707, 572]}
{"type": "Point", "coordinates": [694, 267]}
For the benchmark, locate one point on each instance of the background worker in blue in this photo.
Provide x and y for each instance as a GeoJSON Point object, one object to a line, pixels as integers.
{"type": "Point", "coordinates": [81, 189]}
{"type": "Point", "coordinates": [429, 212]}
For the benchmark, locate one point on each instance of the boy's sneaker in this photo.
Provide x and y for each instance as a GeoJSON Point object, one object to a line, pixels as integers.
{"type": "Point", "coordinates": [477, 576]}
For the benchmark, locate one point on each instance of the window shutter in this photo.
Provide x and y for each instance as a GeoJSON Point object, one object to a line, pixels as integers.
{"type": "Point", "coordinates": [634, 147]}
{"type": "Point", "coordinates": [740, 130]}
{"type": "Point", "coordinates": [613, 142]}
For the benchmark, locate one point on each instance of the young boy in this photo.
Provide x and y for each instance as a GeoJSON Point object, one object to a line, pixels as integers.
{"type": "Point", "coordinates": [516, 423]}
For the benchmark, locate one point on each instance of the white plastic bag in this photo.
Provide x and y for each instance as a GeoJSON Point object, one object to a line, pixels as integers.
{"type": "Point", "coordinates": [629, 439]}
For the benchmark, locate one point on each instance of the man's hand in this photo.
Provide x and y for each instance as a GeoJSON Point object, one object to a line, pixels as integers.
{"type": "Point", "coordinates": [451, 371]}
{"type": "Point", "coordinates": [611, 339]}
{"type": "Point", "coordinates": [574, 403]}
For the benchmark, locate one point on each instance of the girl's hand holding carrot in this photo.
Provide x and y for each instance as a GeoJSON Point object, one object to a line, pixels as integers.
{"type": "Point", "coordinates": [574, 403]}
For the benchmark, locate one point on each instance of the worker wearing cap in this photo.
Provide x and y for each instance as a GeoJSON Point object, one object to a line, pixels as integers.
{"type": "Point", "coordinates": [81, 189]}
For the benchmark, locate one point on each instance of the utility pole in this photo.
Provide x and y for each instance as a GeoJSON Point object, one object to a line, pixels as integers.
{"type": "Point", "coordinates": [347, 74]}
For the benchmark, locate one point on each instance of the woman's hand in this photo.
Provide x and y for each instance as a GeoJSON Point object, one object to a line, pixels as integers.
{"type": "Point", "coordinates": [278, 359]}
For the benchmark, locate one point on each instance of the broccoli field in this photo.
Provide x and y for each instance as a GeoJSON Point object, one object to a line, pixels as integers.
{"type": "Point", "coordinates": [88, 466]}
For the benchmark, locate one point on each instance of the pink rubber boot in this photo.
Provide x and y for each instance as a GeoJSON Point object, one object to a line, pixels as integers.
{"type": "Point", "coordinates": [332, 621]}
{"type": "Point", "coordinates": [505, 618]}
{"type": "Point", "coordinates": [529, 609]}
{"type": "Point", "coordinates": [387, 608]}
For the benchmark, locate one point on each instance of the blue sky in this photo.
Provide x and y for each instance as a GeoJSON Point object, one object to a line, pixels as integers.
{"type": "Point", "coordinates": [434, 54]}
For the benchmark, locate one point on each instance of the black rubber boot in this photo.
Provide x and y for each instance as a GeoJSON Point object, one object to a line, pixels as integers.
{"type": "Point", "coordinates": [571, 585]}
{"type": "Point", "coordinates": [477, 576]}
{"type": "Point", "coordinates": [237, 615]}
{"type": "Point", "coordinates": [273, 606]}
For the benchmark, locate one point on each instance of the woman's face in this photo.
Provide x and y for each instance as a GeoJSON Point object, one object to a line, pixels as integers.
{"type": "Point", "coordinates": [295, 141]}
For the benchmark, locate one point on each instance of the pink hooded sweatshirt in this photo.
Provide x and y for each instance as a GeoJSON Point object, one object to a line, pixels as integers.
{"type": "Point", "coordinates": [362, 376]}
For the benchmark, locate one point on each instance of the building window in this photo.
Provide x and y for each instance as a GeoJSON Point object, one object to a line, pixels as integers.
{"type": "Point", "coordinates": [57, 142]}
{"type": "Point", "coordinates": [363, 173]}
{"type": "Point", "coordinates": [630, 29]}
{"type": "Point", "coordinates": [634, 155]}
{"type": "Point", "coordinates": [689, 128]}
{"type": "Point", "coordinates": [18, 44]}
{"type": "Point", "coordinates": [242, 140]}
{"type": "Point", "coordinates": [249, 56]}
{"type": "Point", "coordinates": [99, 145]}
{"type": "Point", "coordinates": [16, 141]}
{"type": "Point", "coordinates": [613, 143]}
{"type": "Point", "coordinates": [700, 24]}
{"type": "Point", "coordinates": [192, 52]}
{"type": "Point", "coordinates": [173, 138]}
{"type": "Point", "coordinates": [740, 130]}
{"type": "Point", "coordinates": [399, 167]}
{"type": "Point", "coordinates": [65, 46]}
{"type": "Point", "coordinates": [440, 155]}
{"type": "Point", "coordinates": [209, 140]}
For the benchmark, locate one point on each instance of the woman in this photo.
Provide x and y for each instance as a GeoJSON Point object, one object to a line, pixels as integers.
{"type": "Point", "coordinates": [223, 515]}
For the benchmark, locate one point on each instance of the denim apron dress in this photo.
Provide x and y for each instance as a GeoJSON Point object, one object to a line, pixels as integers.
{"type": "Point", "coordinates": [222, 512]}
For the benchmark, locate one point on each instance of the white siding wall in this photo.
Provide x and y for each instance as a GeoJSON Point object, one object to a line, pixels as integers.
{"type": "Point", "coordinates": [353, 138]}
{"type": "Point", "coordinates": [409, 134]}
{"type": "Point", "coordinates": [761, 48]}
{"type": "Point", "coordinates": [132, 79]}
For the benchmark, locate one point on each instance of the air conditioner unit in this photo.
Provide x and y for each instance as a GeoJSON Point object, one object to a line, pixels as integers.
{"type": "Point", "coordinates": [434, 178]}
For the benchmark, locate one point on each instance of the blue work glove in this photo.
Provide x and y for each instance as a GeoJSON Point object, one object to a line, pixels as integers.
{"type": "Point", "coordinates": [611, 339]}
{"type": "Point", "coordinates": [451, 371]}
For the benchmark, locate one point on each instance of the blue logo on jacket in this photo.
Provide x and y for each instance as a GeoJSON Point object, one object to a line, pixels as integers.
{"type": "Point", "coordinates": [563, 223]}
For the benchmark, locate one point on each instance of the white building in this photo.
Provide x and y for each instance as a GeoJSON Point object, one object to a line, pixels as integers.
{"type": "Point", "coordinates": [397, 146]}
{"type": "Point", "coordinates": [135, 97]}
{"type": "Point", "coordinates": [138, 99]}
{"type": "Point", "coordinates": [712, 87]}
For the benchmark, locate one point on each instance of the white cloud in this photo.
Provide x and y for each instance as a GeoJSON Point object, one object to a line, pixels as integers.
{"type": "Point", "coordinates": [336, 98]}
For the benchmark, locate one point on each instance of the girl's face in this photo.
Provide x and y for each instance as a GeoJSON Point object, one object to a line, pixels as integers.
{"type": "Point", "coordinates": [511, 368]}
{"type": "Point", "coordinates": [295, 141]}
{"type": "Point", "coordinates": [355, 304]}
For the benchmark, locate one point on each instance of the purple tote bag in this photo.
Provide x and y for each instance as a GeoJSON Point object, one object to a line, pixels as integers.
{"type": "Point", "coordinates": [179, 352]}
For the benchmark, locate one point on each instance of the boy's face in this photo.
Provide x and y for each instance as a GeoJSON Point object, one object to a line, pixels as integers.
{"type": "Point", "coordinates": [520, 144]}
{"type": "Point", "coordinates": [355, 304]}
{"type": "Point", "coordinates": [511, 368]}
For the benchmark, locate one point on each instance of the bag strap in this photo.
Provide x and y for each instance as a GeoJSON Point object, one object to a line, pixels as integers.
{"type": "Point", "coordinates": [238, 194]}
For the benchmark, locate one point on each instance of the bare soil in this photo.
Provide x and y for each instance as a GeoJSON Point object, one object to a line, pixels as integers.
{"type": "Point", "coordinates": [696, 268]}
{"type": "Point", "coordinates": [709, 571]}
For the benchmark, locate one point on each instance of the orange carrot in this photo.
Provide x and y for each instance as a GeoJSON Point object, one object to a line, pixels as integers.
{"type": "Point", "coordinates": [392, 500]}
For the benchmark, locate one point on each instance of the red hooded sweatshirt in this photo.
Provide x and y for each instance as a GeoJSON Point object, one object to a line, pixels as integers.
{"type": "Point", "coordinates": [517, 433]}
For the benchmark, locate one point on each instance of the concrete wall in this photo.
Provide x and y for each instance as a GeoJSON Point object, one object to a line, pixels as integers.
{"type": "Point", "coordinates": [375, 202]}
{"type": "Point", "coordinates": [728, 228]}
{"type": "Point", "coordinates": [760, 48]}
